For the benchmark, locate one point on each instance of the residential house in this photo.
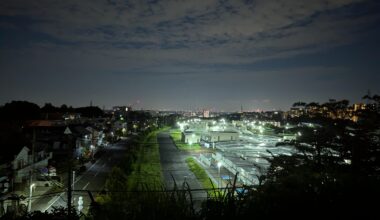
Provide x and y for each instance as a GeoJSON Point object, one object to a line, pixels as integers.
{"type": "Point", "coordinates": [23, 163]}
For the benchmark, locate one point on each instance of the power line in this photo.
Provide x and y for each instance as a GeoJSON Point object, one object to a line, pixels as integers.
{"type": "Point", "coordinates": [133, 191]}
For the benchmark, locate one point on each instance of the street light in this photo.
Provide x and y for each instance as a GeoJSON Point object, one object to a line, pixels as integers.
{"type": "Point", "coordinates": [220, 178]}
{"type": "Point", "coordinates": [30, 197]}
{"type": "Point", "coordinates": [73, 180]}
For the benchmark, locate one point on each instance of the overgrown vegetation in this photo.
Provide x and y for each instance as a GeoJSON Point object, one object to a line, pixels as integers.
{"type": "Point", "coordinates": [141, 168]}
{"type": "Point", "coordinates": [146, 170]}
{"type": "Point", "coordinates": [55, 214]}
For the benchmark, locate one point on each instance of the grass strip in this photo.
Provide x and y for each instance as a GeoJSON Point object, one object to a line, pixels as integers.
{"type": "Point", "coordinates": [202, 176]}
{"type": "Point", "coordinates": [147, 172]}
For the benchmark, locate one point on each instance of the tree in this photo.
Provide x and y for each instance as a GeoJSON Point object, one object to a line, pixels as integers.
{"type": "Point", "coordinates": [49, 108]}
{"type": "Point", "coordinates": [299, 104]}
{"type": "Point", "coordinates": [90, 111]}
{"type": "Point", "coordinates": [64, 108]}
{"type": "Point", "coordinates": [56, 213]}
{"type": "Point", "coordinates": [312, 104]}
{"type": "Point", "coordinates": [374, 102]}
{"type": "Point", "coordinates": [337, 108]}
{"type": "Point", "coordinates": [19, 111]}
{"type": "Point", "coordinates": [336, 170]}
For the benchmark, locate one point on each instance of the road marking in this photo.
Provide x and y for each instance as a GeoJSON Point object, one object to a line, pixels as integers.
{"type": "Point", "coordinates": [80, 177]}
{"type": "Point", "coordinates": [93, 165]}
{"type": "Point", "coordinates": [77, 179]}
{"type": "Point", "coordinates": [54, 202]}
{"type": "Point", "coordinates": [86, 185]}
{"type": "Point", "coordinates": [96, 173]}
{"type": "Point", "coordinates": [51, 200]}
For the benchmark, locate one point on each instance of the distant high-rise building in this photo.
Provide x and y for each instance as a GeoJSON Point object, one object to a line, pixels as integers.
{"type": "Point", "coordinates": [206, 113]}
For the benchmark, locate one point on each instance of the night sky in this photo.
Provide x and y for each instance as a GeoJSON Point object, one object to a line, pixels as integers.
{"type": "Point", "coordinates": [188, 54]}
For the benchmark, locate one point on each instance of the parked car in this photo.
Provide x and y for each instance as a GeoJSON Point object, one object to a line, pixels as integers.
{"type": "Point", "coordinates": [43, 181]}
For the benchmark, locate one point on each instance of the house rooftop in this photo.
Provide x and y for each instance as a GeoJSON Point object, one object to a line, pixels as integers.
{"type": "Point", "coordinates": [45, 123]}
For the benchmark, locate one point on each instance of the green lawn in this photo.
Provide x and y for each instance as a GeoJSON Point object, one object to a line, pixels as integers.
{"type": "Point", "coordinates": [177, 138]}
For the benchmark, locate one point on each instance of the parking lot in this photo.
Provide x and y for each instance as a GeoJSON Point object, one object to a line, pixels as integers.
{"type": "Point", "coordinates": [246, 156]}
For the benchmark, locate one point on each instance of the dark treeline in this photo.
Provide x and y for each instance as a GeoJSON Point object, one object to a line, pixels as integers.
{"type": "Point", "coordinates": [23, 110]}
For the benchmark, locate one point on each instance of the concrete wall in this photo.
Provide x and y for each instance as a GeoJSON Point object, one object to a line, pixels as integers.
{"type": "Point", "coordinates": [191, 138]}
{"type": "Point", "coordinates": [220, 136]}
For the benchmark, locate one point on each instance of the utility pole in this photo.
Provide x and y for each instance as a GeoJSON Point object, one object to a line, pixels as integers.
{"type": "Point", "coordinates": [73, 188]}
{"type": "Point", "coordinates": [69, 160]}
{"type": "Point", "coordinates": [31, 171]}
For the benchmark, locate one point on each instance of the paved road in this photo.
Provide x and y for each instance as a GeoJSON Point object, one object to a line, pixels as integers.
{"type": "Point", "coordinates": [92, 179]}
{"type": "Point", "coordinates": [174, 166]}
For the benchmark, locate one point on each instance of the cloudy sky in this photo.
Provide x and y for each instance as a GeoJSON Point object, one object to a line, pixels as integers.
{"type": "Point", "coordinates": [193, 54]}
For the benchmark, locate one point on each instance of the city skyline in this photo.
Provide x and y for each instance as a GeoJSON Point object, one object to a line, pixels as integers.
{"type": "Point", "coordinates": [188, 55]}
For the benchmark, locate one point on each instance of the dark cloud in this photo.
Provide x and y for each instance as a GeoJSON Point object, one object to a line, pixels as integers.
{"type": "Point", "coordinates": [215, 40]}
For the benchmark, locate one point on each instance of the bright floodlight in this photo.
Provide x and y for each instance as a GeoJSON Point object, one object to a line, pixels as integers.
{"type": "Point", "coordinates": [347, 161]}
{"type": "Point", "coordinates": [181, 126]}
{"type": "Point", "coordinates": [219, 164]}
{"type": "Point", "coordinates": [299, 134]}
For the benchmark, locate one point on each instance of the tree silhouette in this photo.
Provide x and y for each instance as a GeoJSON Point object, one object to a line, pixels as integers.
{"type": "Point", "coordinates": [299, 104]}
{"type": "Point", "coordinates": [312, 104]}
{"type": "Point", "coordinates": [19, 111]}
{"type": "Point", "coordinates": [49, 108]}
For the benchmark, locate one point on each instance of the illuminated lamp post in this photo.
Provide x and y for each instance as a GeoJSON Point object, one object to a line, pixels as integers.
{"type": "Point", "coordinates": [30, 197]}
{"type": "Point", "coordinates": [220, 178]}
